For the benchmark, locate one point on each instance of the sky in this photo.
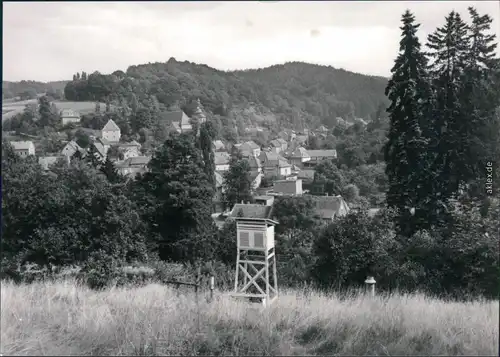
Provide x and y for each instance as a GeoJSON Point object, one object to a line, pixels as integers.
{"type": "Point", "coordinates": [47, 41]}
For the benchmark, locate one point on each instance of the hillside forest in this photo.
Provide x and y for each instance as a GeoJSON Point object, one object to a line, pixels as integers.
{"type": "Point", "coordinates": [422, 145]}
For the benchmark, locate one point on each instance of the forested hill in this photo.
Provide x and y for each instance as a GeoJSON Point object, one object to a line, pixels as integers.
{"type": "Point", "coordinates": [292, 94]}
{"type": "Point", "coordinates": [29, 89]}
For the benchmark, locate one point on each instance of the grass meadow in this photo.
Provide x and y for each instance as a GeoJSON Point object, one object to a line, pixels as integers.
{"type": "Point", "coordinates": [63, 318]}
{"type": "Point", "coordinates": [11, 109]}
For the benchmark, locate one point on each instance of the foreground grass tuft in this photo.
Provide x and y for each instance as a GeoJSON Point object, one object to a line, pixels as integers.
{"type": "Point", "coordinates": [65, 319]}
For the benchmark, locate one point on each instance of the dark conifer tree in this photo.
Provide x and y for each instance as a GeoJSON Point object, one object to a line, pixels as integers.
{"type": "Point", "coordinates": [109, 169]}
{"type": "Point", "coordinates": [207, 135]}
{"type": "Point", "coordinates": [448, 50]}
{"type": "Point", "coordinates": [405, 152]}
{"type": "Point", "coordinates": [480, 96]}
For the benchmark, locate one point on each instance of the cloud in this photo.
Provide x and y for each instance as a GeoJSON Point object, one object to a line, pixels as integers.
{"type": "Point", "coordinates": [51, 41]}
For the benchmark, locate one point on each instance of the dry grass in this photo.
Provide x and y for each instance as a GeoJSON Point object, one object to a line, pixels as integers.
{"type": "Point", "coordinates": [64, 319]}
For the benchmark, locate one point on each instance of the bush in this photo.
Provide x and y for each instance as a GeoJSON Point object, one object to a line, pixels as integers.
{"type": "Point", "coordinates": [352, 248]}
{"type": "Point", "coordinates": [100, 270]}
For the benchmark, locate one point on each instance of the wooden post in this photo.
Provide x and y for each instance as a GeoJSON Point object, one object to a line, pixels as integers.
{"type": "Point", "coordinates": [370, 284]}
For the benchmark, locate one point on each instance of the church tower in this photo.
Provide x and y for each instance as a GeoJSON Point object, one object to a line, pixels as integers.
{"type": "Point", "coordinates": [198, 114]}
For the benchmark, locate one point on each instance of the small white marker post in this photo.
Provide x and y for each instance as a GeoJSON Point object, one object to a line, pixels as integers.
{"type": "Point", "coordinates": [370, 285]}
{"type": "Point", "coordinates": [212, 287]}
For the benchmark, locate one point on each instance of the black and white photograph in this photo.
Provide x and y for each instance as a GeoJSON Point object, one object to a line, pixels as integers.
{"type": "Point", "coordinates": [250, 178]}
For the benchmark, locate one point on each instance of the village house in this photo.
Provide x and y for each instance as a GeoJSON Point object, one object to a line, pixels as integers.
{"type": "Point", "coordinates": [106, 144]}
{"type": "Point", "coordinates": [131, 149]}
{"type": "Point", "coordinates": [100, 152]}
{"type": "Point", "coordinates": [279, 145]}
{"type": "Point", "coordinates": [306, 175]}
{"type": "Point", "coordinates": [219, 192]}
{"type": "Point", "coordinates": [179, 120]}
{"type": "Point", "coordinates": [111, 132]}
{"type": "Point", "coordinates": [47, 161]}
{"type": "Point", "coordinates": [300, 139]}
{"type": "Point", "coordinates": [249, 148]}
{"type": "Point", "coordinates": [218, 145]}
{"type": "Point", "coordinates": [254, 163]}
{"type": "Point", "coordinates": [255, 179]}
{"type": "Point", "coordinates": [221, 160]}
{"type": "Point", "coordinates": [71, 148]}
{"type": "Point", "coordinates": [264, 200]}
{"type": "Point", "coordinates": [287, 135]}
{"type": "Point", "coordinates": [133, 166]}
{"type": "Point", "coordinates": [251, 210]}
{"type": "Point", "coordinates": [274, 165]}
{"type": "Point", "coordinates": [23, 148]}
{"type": "Point", "coordinates": [69, 116]}
{"type": "Point", "coordinates": [299, 156]}
{"type": "Point", "coordinates": [327, 208]}
{"type": "Point", "coordinates": [288, 187]}
{"type": "Point", "coordinates": [254, 130]}
{"type": "Point", "coordinates": [361, 121]}
{"type": "Point", "coordinates": [322, 130]}
{"type": "Point", "coordinates": [319, 155]}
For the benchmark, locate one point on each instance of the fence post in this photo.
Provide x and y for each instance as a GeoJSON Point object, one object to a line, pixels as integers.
{"type": "Point", "coordinates": [212, 287]}
{"type": "Point", "coordinates": [370, 284]}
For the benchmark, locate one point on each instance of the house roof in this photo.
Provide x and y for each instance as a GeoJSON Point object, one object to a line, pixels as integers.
{"type": "Point", "coordinates": [306, 174]}
{"type": "Point", "coordinates": [219, 180]}
{"type": "Point", "coordinates": [22, 145]}
{"type": "Point", "coordinates": [328, 206]}
{"type": "Point", "coordinates": [100, 148]}
{"type": "Point", "coordinates": [322, 153]}
{"type": "Point", "coordinates": [271, 159]}
{"type": "Point", "coordinates": [176, 115]}
{"type": "Point", "coordinates": [300, 152]}
{"type": "Point", "coordinates": [104, 141]}
{"type": "Point", "coordinates": [278, 142]}
{"type": "Point", "coordinates": [253, 162]}
{"type": "Point", "coordinates": [176, 126]}
{"type": "Point", "coordinates": [218, 144]}
{"type": "Point", "coordinates": [373, 212]}
{"type": "Point", "coordinates": [138, 160]}
{"type": "Point", "coordinates": [247, 146]}
{"type": "Point", "coordinates": [73, 144]}
{"type": "Point", "coordinates": [111, 126]}
{"type": "Point", "coordinates": [133, 143]}
{"type": "Point", "coordinates": [322, 128]}
{"type": "Point", "coordinates": [251, 211]}
{"type": "Point", "coordinates": [263, 197]}
{"type": "Point", "coordinates": [254, 175]}
{"type": "Point", "coordinates": [46, 161]}
{"type": "Point", "coordinates": [69, 113]}
{"type": "Point", "coordinates": [221, 158]}
{"type": "Point", "coordinates": [301, 138]}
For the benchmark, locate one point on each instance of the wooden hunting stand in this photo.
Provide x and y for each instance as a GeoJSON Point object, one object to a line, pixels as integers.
{"type": "Point", "coordinates": [256, 257]}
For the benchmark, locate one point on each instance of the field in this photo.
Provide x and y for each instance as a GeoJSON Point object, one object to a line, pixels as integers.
{"type": "Point", "coordinates": [65, 319]}
{"type": "Point", "coordinates": [12, 108]}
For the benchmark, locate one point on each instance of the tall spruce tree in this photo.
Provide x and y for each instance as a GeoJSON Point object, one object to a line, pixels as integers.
{"type": "Point", "coordinates": [480, 97]}
{"type": "Point", "coordinates": [449, 47]}
{"type": "Point", "coordinates": [405, 152]}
